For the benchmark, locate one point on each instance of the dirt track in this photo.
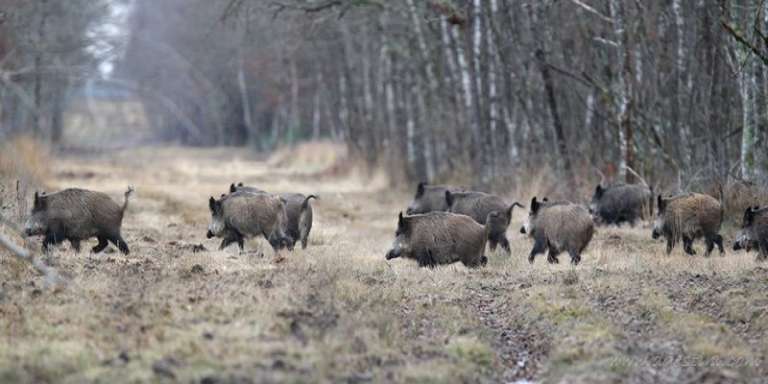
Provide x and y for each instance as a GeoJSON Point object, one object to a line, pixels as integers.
{"type": "Point", "coordinates": [177, 309]}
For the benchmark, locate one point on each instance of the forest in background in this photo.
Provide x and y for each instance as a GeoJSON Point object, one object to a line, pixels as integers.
{"type": "Point", "coordinates": [483, 92]}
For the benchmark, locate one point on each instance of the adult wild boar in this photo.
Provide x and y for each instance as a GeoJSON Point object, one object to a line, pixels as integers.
{"type": "Point", "coordinates": [438, 238]}
{"type": "Point", "coordinates": [687, 217]}
{"type": "Point", "coordinates": [298, 212]}
{"type": "Point", "coordinates": [754, 232]}
{"type": "Point", "coordinates": [558, 227]}
{"type": "Point", "coordinates": [78, 214]}
{"type": "Point", "coordinates": [241, 215]}
{"type": "Point", "coordinates": [478, 205]}
{"type": "Point", "coordinates": [430, 198]}
{"type": "Point", "coordinates": [620, 203]}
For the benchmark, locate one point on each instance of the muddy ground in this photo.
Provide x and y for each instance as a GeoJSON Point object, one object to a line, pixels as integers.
{"type": "Point", "coordinates": [179, 310]}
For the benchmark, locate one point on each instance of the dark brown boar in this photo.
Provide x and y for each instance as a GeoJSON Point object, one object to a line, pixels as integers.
{"type": "Point", "coordinates": [439, 238]}
{"type": "Point", "coordinates": [430, 198]}
{"type": "Point", "coordinates": [687, 217]}
{"type": "Point", "coordinates": [620, 203]}
{"type": "Point", "coordinates": [557, 227]}
{"type": "Point", "coordinates": [78, 214]}
{"type": "Point", "coordinates": [754, 232]}
{"type": "Point", "coordinates": [478, 205]}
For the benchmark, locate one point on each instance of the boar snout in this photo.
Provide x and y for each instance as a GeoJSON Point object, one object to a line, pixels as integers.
{"type": "Point", "coordinates": [393, 254]}
{"type": "Point", "coordinates": [655, 234]}
{"type": "Point", "coordinates": [209, 234]}
{"type": "Point", "coordinates": [522, 230]}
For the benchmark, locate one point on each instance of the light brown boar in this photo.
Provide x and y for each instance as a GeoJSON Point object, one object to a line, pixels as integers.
{"type": "Point", "coordinates": [439, 238]}
{"type": "Point", "coordinates": [241, 215]}
{"type": "Point", "coordinates": [754, 232]}
{"type": "Point", "coordinates": [78, 214]}
{"type": "Point", "coordinates": [298, 212]}
{"type": "Point", "coordinates": [558, 227]}
{"type": "Point", "coordinates": [430, 198]}
{"type": "Point", "coordinates": [687, 217]}
{"type": "Point", "coordinates": [478, 205]}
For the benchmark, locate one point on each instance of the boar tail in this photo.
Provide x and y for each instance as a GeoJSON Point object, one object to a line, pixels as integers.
{"type": "Point", "coordinates": [127, 195]}
{"type": "Point", "coordinates": [305, 204]}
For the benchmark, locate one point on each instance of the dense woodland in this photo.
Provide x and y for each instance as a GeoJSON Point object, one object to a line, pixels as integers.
{"type": "Point", "coordinates": [432, 89]}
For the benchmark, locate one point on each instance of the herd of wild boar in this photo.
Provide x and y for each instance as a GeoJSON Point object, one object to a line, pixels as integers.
{"type": "Point", "coordinates": [442, 225]}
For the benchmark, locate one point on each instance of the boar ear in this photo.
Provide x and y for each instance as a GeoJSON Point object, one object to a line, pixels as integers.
{"type": "Point", "coordinates": [660, 203]}
{"type": "Point", "coordinates": [534, 205]}
{"type": "Point", "coordinates": [400, 221]}
{"type": "Point", "coordinates": [39, 202]}
{"type": "Point", "coordinates": [212, 204]}
{"type": "Point", "coordinates": [749, 216]}
{"type": "Point", "coordinates": [599, 191]}
{"type": "Point", "coordinates": [420, 189]}
{"type": "Point", "coordinates": [232, 188]}
{"type": "Point", "coordinates": [449, 198]}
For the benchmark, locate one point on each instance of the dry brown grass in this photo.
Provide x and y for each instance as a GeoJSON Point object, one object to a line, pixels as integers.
{"type": "Point", "coordinates": [338, 312]}
{"type": "Point", "coordinates": [24, 156]}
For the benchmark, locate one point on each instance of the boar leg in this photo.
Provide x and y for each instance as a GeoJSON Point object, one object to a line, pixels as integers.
{"type": "Point", "coordinates": [762, 250]}
{"type": "Point", "coordinates": [552, 254]}
{"type": "Point", "coordinates": [575, 257]}
{"type": "Point", "coordinates": [228, 239]}
{"type": "Point", "coordinates": [75, 245]}
{"type": "Point", "coordinates": [688, 245]}
{"type": "Point", "coordinates": [118, 241]}
{"type": "Point", "coordinates": [50, 239]}
{"type": "Point", "coordinates": [427, 260]}
{"type": "Point", "coordinates": [101, 245]}
{"type": "Point", "coordinates": [719, 242]}
{"type": "Point", "coordinates": [670, 245]}
{"type": "Point", "coordinates": [710, 245]}
{"type": "Point", "coordinates": [505, 244]}
{"type": "Point", "coordinates": [492, 243]}
{"type": "Point", "coordinates": [539, 246]}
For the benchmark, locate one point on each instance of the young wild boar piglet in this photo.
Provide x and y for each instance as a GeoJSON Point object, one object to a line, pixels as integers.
{"type": "Point", "coordinates": [557, 227]}
{"type": "Point", "coordinates": [430, 198]}
{"type": "Point", "coordinates": [240, 215]}
{"type": "Point", "coordinates": [688, 217]}
{"type": "Point", "coordinates": [754, 232]}
{"type": "Point", "coordinates": [298, 212]}
{"type": "Point", "coordinates": [478, 205]}
{"type": "Point", "coordinates": [77, 214]}
{"type": "Point", "coordinates": [440, 238]}
{"type": "Point", "coordinates": [620, 203]}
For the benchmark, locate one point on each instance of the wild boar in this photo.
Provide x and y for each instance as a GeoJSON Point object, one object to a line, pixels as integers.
{"type": "Point", "coordinates": [478, 205]}
{"type": "Point", "coordinates": [241, 215]}
{"type": "Point", "coordinates": [438, 238]}
{"type": "Point", "coordinates": [78, 214]}
{"type": "Point", "coordinates": [430, 198]}
{"type": "Point", "coordinates": [299, 214]}
{"type": "Point", "coordinates": [688, 217]}
{"type": "Point", "coordinates": [620, 203]}
{"type": "Point", "coordinates": [754, 232]}
{"type": "Point", "coordinates": [298, 210]}
{"type": "Point", "coordinates": [557, 227]}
